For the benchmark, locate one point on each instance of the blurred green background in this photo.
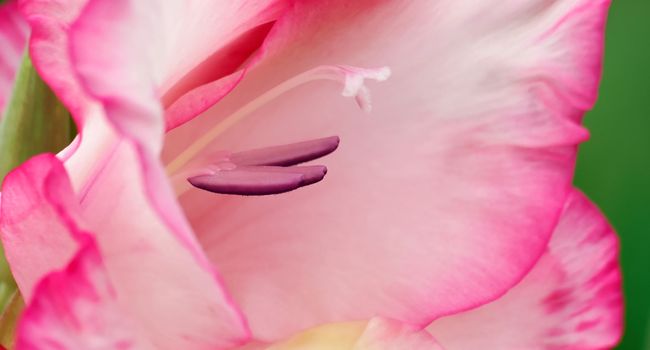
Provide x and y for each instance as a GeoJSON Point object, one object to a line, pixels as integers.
{"type": "Point", "coordinates": [614, 166]}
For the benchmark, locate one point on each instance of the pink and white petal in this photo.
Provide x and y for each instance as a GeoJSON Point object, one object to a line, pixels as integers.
{"type": "Point", "coordinates": [48, 48]}
{"type": "Point", "coordinates": [174, 294]}
{"type": "Point", "coordinates": [376, 334]}
{"type": "Point", "coordinates": [76, 308]}
{"type": "Point", "coordinates": [213, 79]}
{"type": "Point", "coordinates": [104, 160]}
{"type": "Point", "coordinates": [13, 38]}
{"type": "Point", "coordinates": [163, 283]}
{"type": "Point", "coordinates": [382, 334]}
{"type": "Point", "coordinates": [208, 318]}
{"type": "Point", "coordinates": [443, 198]}
{"type": "Point", "coordinates": [51, 20]}
{"type": "Point", "coordinates": [36, 240]}
{"type": "Point", "coordinates": [220, 324]}
{"type": "Point", "coordinates": [572, 299]}
{"type": "Point", "coordinates": [152, 48]}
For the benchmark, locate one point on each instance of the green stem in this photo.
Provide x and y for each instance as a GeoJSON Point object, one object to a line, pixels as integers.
{"type": "Point", "coordinates": [9, 319]}
{"type": "Point", "coordinates": [35, 121]}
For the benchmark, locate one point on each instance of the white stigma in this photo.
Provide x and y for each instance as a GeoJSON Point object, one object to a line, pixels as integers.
{"type": "Point", "coordinates": [354, 83]}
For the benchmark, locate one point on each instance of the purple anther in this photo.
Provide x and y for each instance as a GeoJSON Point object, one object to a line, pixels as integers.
{"type": "Point", "coordinates": [311, 173]}
{"type": "Point", "coordinates": [269, 170]}
{"type": "Point", "coordinates": [287, 155]}
{"type": "Point", "coordinates": [257, 181]}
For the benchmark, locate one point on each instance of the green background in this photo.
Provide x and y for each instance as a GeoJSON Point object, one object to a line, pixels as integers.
{"type": "Point", "coordinates": [614, 166]}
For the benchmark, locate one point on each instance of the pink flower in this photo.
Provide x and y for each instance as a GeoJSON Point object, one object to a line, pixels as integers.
{"type": "Point", "coordinates": [438, 202]}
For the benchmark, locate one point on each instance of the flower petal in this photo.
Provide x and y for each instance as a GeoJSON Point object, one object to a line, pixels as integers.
{"type": "Point", "coordinates": [439, 201]}
{"type": "Point", "coordinates": [35, 239]}
{"type": "Point", "coordinates": [77, 309]}
{"type": "Point", "coordinates": [106, 164]}
{"type": "Point", "coordinates": [383, 334]}
{"type": "Point", "coordinates": [572, 299]}
{"type": "Point", "coordinates": [376, 334]}
{"type": "Point", "coordinates": [114, 178]}
{"type": "Point", "coordinates": [48, 49]}
{"type": "Point", "coordinates": [163, 51]}
{"type": "Point", "coordinates": [194, 311]}
{"type": "Point", "coordinates": [167, 288]}
{"type": "Point", "coordinates": [13, 37]}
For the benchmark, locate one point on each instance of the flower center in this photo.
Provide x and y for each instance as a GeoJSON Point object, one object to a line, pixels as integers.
{"type": "Point", "coordinates": [270, 170]}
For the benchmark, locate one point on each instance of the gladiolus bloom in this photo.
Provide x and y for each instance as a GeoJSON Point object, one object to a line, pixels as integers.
{"type": "Point", "coordinates": [438, 201]}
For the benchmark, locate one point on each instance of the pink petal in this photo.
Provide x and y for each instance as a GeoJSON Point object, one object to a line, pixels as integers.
{"type": "Point", "coordinates": [441, 199]}
{"type": "Point", "coordinates": [35, 239]}
{"type": "Point", "coordinates": [376, 334]}
{"type": "Point", "coordinates": [48, 48]}
{"type": "Point", "coordinates": [163, 51]}
{"type": "Point", "coordinates": [98, 157]}
{"type": "Point", "coordinates": [193, 311]}
{"type": "Point", "coordinates": [50, 21]}
{"type": "Point", "coordinates": [383, 334]}
{"type": "Point", "coordinates": [570, 300]}
{"type": "Point", "coordinates": [102, 161]}
{"type": "Point", "coordinates": [77, 308]}
{"type": "Point", "coordinates": [13, 37]}
{"type": "Point", "coordinates": [161, 279]}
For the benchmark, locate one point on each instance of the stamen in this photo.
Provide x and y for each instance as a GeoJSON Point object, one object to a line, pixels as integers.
{"type": "Point", "coordinates": [247, 183]}
{"type": "Point", "coordinates": [287, 155]}
{"type": "Point", "coordinates": [258, 181]}
{"type": "Point", "coordinates": [352, 79]}
{"type": "Point", "coordinates": [268, 170]}
{"type": "Point", "coordinates": [311, 174]}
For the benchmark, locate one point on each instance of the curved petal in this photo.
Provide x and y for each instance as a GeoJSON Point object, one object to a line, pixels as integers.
{"type": "Point", "coordinates": [35, 239]}
{"type": "Point", "coordinates": [159, 248]}
{"type": "Point", "coordinates": [114, 178]}
{"type": "Point", "coordinates": [439, 201]}
{"type": "Point", "coordinates": [77, 309]}
{"type": "Point", "coordinates": [13, 37]}
{"type": "Point", "coordinates": [48, 48]}
{"type": "Point", "coordinates": [390, 335]}
{"type": "Point", "coordinates": [376, 334]}
{"type": "Point", "coordinates": [161, 283]}
{"type": "Point", "coordinates": [572, 299]}
{"type": "Point", "coordinates": [50, 21]}
{"type": "Point", "coordinates": [162, 51]}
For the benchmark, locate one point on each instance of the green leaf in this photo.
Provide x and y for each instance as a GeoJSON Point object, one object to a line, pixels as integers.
{"type": "Point", "coordinates": [35, 121]}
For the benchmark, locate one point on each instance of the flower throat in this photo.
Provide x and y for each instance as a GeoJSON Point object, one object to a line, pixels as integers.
{"type": "Point", "coordinates": [274, 170]}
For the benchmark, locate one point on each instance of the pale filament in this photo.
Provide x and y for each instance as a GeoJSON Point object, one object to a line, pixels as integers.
{"type": "Point", "coordinates": [352, 79]}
